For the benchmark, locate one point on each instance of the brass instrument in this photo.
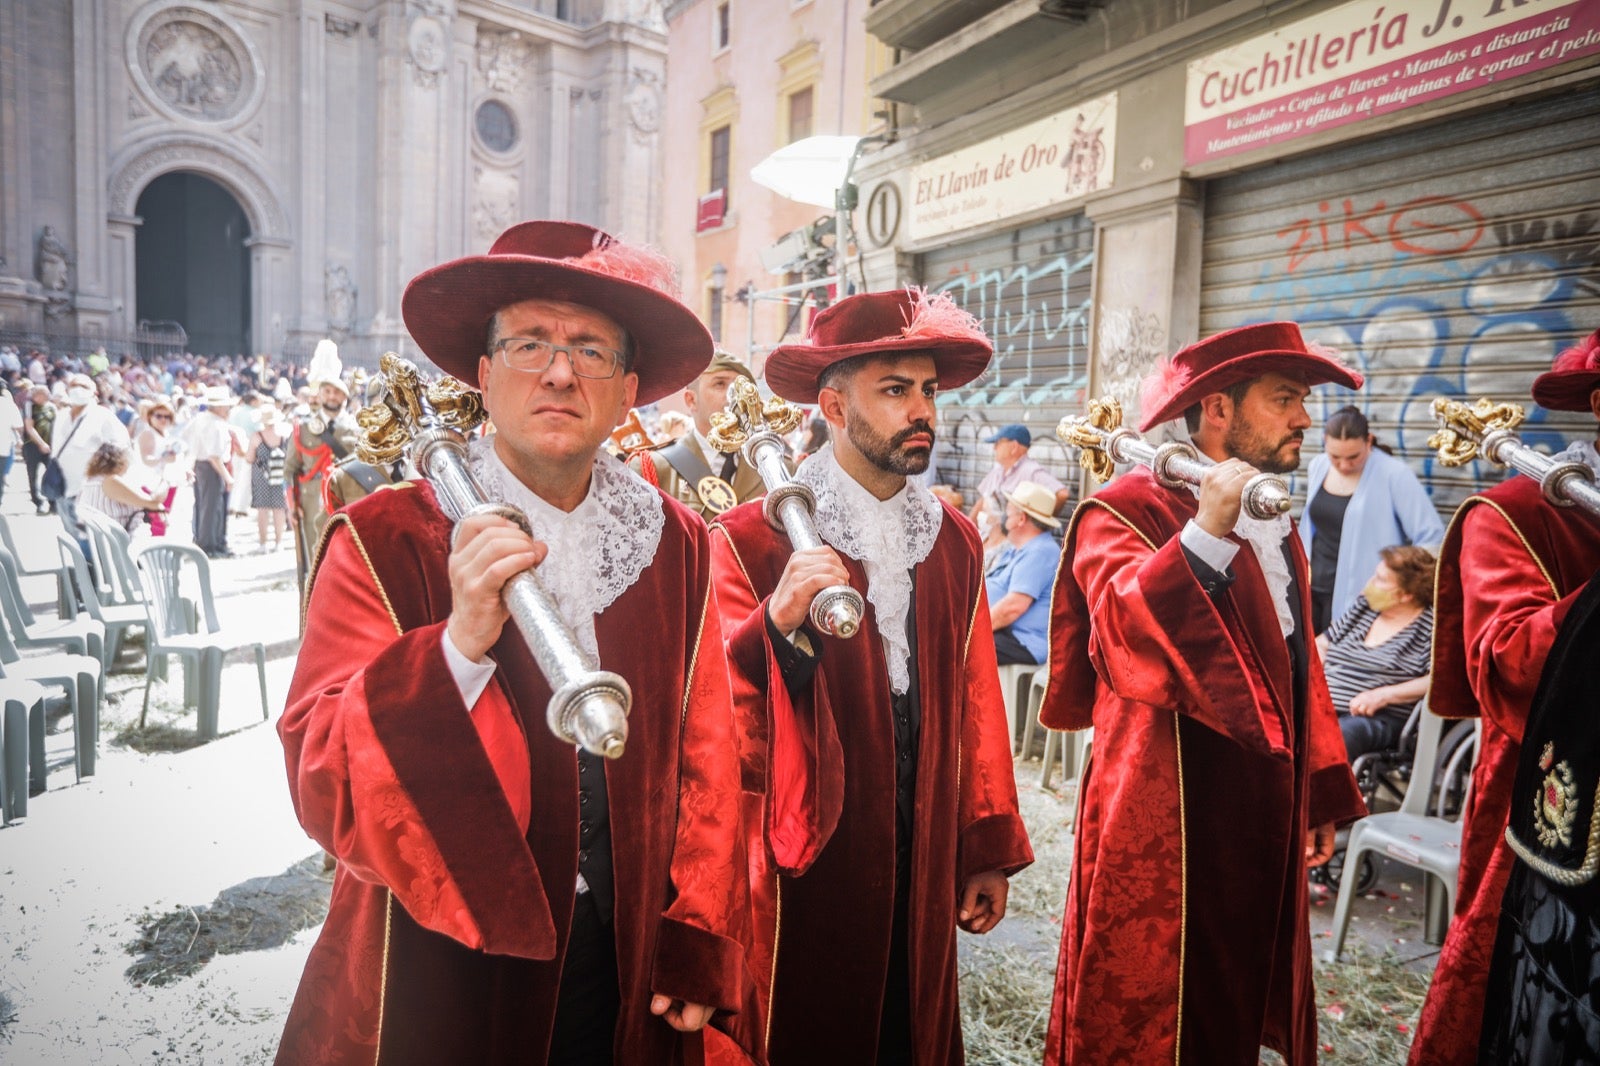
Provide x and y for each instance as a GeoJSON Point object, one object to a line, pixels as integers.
{"type": "Point", "coordinates": [754, 427]}
{"type": "Point", "coordinates": [428, 423]}
{"type": "Point", "coordinates": [1103, 442]}
{"type": "Point", "coordinates": [1485, 429]}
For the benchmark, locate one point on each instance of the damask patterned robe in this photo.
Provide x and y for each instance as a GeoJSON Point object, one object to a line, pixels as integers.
{"type": "Point", "coordinates": [1185, 937]}
{"type": "Point", "coordinates": [457, 832]}
{"type": "Point", "coordinates": [820, 779]}
{"type": "Point", "coordinates": [1509, 571]}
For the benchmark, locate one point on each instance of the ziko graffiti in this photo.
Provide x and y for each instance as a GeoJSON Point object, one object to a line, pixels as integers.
{"type": "Point", "coordinates": [1421, 318]}
{"type": "Point", "coordinates": [1427, 225]}
{"type": "Point", "coordinates": [1037, 314]}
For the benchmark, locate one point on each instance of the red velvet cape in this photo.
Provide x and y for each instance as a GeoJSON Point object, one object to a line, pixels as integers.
{"type": "Point", "coordinates": [1510, 568]}
{"type": "Point", "coordinates": [822, 767]}
{"type": "Point", "coordinates": [457, 833]}
{"type": "Point", "coordinates": [1185, 936]}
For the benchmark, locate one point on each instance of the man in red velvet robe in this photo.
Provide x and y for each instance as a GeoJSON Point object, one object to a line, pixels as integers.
{"type": "Point", "coordinates": [1178, 632]}
{"type": "Point", "coordinates": [1509, 571]}
{"type": "Point", "coordinates": [882, 760]}
{"type": "Point", "coordinates": [502, 896]}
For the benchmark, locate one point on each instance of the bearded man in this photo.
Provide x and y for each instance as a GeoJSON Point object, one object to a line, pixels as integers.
{"type": "Point", "coordinates": [1179, 632]}
{"type": "Point", "coordinates": [502, 897]}
{"type": "Point", "coordinates": [319, 441]}
{"type": "Point", "coordinates": [882, 761]}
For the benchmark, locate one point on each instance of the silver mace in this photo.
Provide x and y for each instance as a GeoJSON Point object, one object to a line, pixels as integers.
{"type": "Point", "coordinates": [1486, 428]}
{"type": "Point", "coordinates": [754, 428]}
{"type": "Point", "coordinates": [1105, 442]}
{"type": "Point", "coordinates": [589, 706]}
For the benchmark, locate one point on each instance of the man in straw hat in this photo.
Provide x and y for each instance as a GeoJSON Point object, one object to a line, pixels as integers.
{"type": "Point", "coordinates": [1022, 574]}
{"type": "Point", "coordinates": [500, 896]}
{"type": "Point", "coordinates": [214, 450]}
{"type": "Point", "coordinates": [891, 808]}
{"type": "Point", "coordinates": [318, 442]}
{"type": "Point", "coordinates": [1178, 631]}
{"type": "Point", "coordinates": [690, 469]}
{"type": "Point", "coordinates": [1511, 568]}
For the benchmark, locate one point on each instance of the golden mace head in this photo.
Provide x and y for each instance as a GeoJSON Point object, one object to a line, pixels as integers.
{"type": "Point", "coordinates": [404, 406]}
{"type": "Point", "coordinates": [746, 415]}
{"type": "Point", "coordinates": [1088, 433]}
{"type": "Point", "coordinates": [1461, 428]}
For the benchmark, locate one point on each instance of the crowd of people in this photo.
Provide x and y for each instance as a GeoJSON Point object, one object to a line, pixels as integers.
{"type": "Point", "coordinates": [214, 436]}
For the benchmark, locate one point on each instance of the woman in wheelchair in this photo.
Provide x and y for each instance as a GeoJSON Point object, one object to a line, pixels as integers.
{"type": "Point", "coordinates": [1376, 655]}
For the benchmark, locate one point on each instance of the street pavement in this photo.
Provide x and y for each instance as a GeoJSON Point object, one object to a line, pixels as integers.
{"type": "Point", "coordinates": [168, 828]}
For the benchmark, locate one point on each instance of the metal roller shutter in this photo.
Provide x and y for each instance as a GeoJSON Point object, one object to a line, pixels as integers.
{"type": "Point", "coordinates": [1030, 287]}
{"type": "Point", "coordinates": [1455, 259]}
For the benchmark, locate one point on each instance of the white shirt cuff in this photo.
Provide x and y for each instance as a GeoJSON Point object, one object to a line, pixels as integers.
{"type": "Point", "coordinates": [1215, 552]}
{"type": "Point", "coordinates": [471, 678]}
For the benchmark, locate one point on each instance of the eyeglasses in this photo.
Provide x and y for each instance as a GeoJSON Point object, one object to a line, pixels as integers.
{"type": "Point", "coordinates": [535, 356]}
{"type": "Point", "coordinates": [161, 418]}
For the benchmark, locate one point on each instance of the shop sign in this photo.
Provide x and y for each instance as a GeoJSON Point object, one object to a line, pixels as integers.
{"type": "Point", "coordinates": [1372, 58]}
{"type": "Point", "coordinates": [1053, 161]}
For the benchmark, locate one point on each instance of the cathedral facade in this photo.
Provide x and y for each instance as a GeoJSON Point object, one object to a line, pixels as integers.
{"type": "Point", "coordinates": [254, 175]}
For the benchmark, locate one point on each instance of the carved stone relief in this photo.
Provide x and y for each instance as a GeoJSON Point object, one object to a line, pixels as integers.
{"type": "Point", "coordinates": [427, 51]}
{"type": "Point", "coordinates": [644, 104]}
{"type": "Point", "coordinates": [340, 27]}
{"type": "Point", "coordinates": [339, 293]}
{"type": "Point", "coordinates": [54, 271]}
{"type": "Point", "coordinates": [503, 59]}
{"type": "Point", "coordinates": [495, 200]}
{"type": "Point", "coordinates": [193, 64]}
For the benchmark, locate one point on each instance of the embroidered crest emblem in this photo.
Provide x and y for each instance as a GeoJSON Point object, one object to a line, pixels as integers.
{"type": "Point", "coordinates": [1555, 807]}
{"type": "Point", "coordinates": [715, 493]}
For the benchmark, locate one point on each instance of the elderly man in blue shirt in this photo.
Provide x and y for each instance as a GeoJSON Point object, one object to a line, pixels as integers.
{"type": "Point", "coordinates": [1020, 578]}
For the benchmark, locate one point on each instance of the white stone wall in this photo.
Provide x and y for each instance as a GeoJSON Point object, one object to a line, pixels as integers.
{"type": "Point", "coordinates": [345, 130]}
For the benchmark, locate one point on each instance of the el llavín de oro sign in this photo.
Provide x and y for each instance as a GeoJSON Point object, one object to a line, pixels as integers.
{"type": "Point", "coordinates": [1057, 159]}
{"type": "Point", "coordinates": [1371, 58]}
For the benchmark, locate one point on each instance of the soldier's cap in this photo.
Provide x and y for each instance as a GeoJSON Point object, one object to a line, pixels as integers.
{"type": "Point", "coordinates": [724, 360]}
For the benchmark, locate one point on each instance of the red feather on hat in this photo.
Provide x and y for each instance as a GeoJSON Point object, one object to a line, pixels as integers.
{"type": "Point", "coordinates": [938, 316]}
{"type": "Point", "coordinates": [1585, 355]}
{"type": "Point", "coordinates": [635, 263]}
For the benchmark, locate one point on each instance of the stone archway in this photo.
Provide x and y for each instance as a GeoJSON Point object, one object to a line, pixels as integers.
{"type": "Point", "coordinates": [269, 244]}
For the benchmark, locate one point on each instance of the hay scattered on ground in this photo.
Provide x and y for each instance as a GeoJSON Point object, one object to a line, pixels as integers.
{"type": "Point", "coordinates": [8, 1014]}
{"type": "Point", "coordinates": [254, 915]}
{"type": "Point", "coordinates": [1367, 1007]}
{"type": "Point", "coordinates": [1005, 1005]}
{"type": "Point", "coordinates": [157, 737]}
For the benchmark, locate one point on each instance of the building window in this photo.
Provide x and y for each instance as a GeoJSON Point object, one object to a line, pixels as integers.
{"type": "Point", "coordinates": [714, 313]}
{"type": "Point", "coordinates": [721, 23]}
{"type": "Point", "coordinates": [496, 126]}
{"type": "Point", "coordinates": [800, 109]}
{"type": "Point", "coordinates": [721, 138]}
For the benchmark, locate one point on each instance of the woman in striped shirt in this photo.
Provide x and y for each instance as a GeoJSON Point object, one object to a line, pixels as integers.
{"type": "Point", "coordinates": [1376, 654]}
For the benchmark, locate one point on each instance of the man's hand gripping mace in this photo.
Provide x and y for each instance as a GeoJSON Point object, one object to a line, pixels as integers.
{"type": "Point", "coordinates": [589, 706]}
{"type": "Point", "coordinates": [1485, 429]}
{"type": "Point", "coordinates": [1104, 442]}
{"type": "Point", "coordinates": [753, 427]}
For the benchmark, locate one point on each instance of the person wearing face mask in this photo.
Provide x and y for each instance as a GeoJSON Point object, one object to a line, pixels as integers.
{"type": "Point", "coordinates": [77, 434]}
{"type": "Point", "coordinates": [1376, 654]}
{"type": "Point", "coordinates": [1358, 499]}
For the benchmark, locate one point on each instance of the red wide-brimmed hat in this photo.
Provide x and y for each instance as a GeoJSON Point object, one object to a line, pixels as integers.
{"type": "Point", "coordinates": [1572, 378]}
{"type": "Point", "coordinates": [447, 309]}
{"type": "Point", "coordinates": [1232, 356]}
{"type": "Point", "coordinates": [898, 322]}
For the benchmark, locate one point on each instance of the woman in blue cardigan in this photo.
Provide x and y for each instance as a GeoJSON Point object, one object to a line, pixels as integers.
{"type": "Point", "coordinates": [1359, 500]}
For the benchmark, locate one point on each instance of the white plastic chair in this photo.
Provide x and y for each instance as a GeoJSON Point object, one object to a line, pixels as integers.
{"type": "Point", "coordinates": [161, 568]}
{"type": "Point", "coordinates": [79, 675]}
{"type": "Point", "coordinates": [112, 546]}
{"type": "Point", "coordinates": [1015, 680]}
{"type": "Point", "coordinates": [1410, 835]}
{"type": "Point", "coordinates": [80, 636]}
{"type": "Point", "coordinates": [117, 618]}
{"type": "Point", "coordinates": [21, 746]}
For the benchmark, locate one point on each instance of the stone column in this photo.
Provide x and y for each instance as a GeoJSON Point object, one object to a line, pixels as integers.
{"type": "Point", "coordinates": [90, 233]}
{"type": "Point", "coordinates": [270, 275]}
{"type": "Point", "coordinates": [1147, 283]}
{"type": "Point", "coordinates": [311, 180]}
{"type": "Point", "coordinates": [16, 245]}
{"type": "Point", "coordinates": [122, 232]}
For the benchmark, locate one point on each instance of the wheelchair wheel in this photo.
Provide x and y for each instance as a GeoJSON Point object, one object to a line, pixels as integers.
{"type": "Point", "coordinates": [1331, 873]}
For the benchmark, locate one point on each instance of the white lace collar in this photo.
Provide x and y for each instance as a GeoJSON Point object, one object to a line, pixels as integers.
{"type": "Point", "coordinates": [888, 537]}
{"type": "Point", "coordinates": [598, 549]}
{"type": "Point", "coordinates": [1580, 451]}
